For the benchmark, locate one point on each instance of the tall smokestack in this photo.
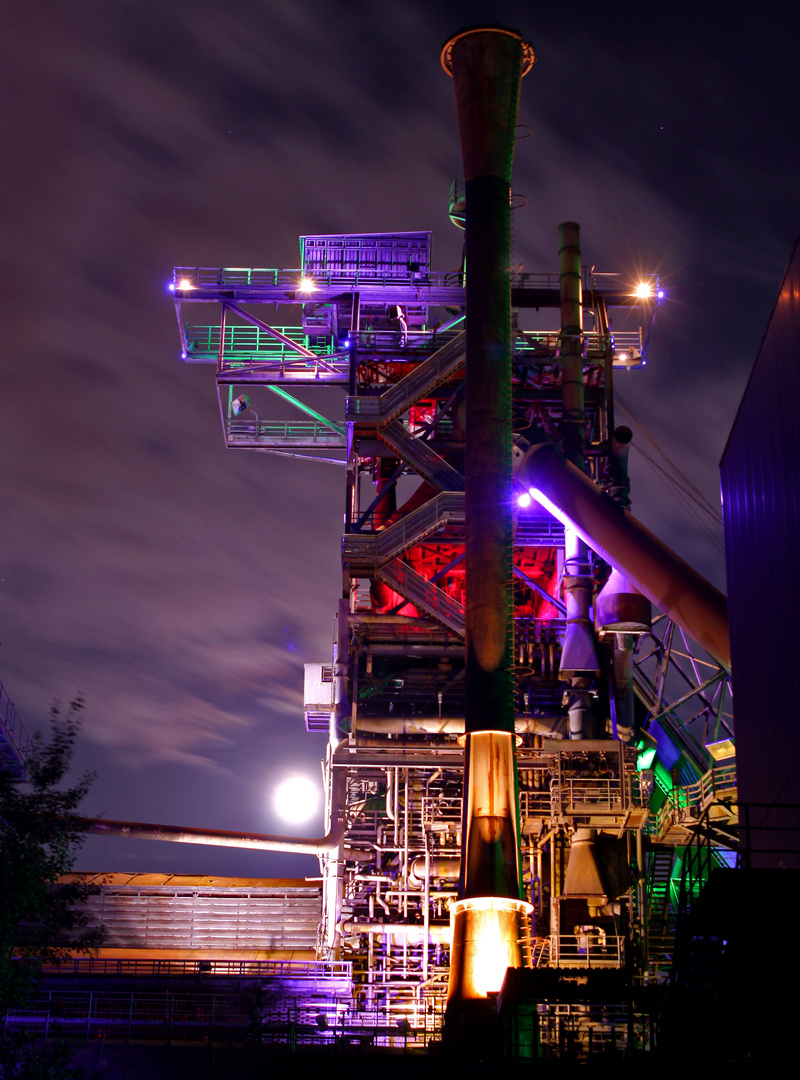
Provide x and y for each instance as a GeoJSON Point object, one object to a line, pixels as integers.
{"type": "Point", "coordinates": [490, 918]}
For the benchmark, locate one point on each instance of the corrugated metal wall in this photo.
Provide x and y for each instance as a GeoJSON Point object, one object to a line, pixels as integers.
{"type": "Point", "coordinates": [183, 916]}
{"type": "Point", "coordinates": [761, 506]}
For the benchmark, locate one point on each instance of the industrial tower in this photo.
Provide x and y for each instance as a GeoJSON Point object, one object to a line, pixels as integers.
{"type": "Point", "coordinates": [486, 500]}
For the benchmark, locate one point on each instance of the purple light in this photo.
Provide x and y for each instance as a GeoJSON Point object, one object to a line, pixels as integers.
{"type": "Point", "coordinates": [551, 507]}
{"type": "Point", "coordinates": [183, 356]}
{"type": "Point", "coordinates": [660, 294]}
{"type": "Point", "coordinates": [171, 286]}
{"type": "Point", "coordinates": [524, 500]}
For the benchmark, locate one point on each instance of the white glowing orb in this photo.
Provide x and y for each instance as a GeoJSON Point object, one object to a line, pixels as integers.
{"type": "Point", "coordinates": [643, 291]}
{"type": "Point", "coordinates": [297, 799]}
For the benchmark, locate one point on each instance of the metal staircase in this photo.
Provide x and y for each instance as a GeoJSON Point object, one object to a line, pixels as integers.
{"type": "Point", "coordinates": [661, 913]}
{"type": "Point", "coordinates": [367, 552]}
{"type": "Point", "coordinates": [421, 457]}
{"type": "Point", "coordinates": [423, 594]}
{"type": "Point", "coordinates": [420, 382]}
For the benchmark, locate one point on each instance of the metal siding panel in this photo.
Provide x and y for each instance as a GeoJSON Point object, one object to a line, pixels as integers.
{"type": "Point", "coordinates": [160, 918]}
{"type": "Point", "coordinates": [761, 491]}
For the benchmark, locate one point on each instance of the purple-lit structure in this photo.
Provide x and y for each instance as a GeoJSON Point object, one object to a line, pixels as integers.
{"type": "Point", "coordinates": [618, 721]}
{"type": "Point", "coordinates": [517, 746]}
{"type": "Point", "coordinates": [760, 472]}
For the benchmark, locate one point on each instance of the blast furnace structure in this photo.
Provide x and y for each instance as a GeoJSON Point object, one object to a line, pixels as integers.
{"type": "Point", "coordinates": [519, 745]}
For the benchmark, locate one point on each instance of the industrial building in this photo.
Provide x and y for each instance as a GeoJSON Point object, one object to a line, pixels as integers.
{"type": "Point", "coordinates": [530, 773]}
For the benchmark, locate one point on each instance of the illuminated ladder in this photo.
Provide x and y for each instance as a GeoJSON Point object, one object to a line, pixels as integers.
{"type": "Point", "coordinates": [660, 913]}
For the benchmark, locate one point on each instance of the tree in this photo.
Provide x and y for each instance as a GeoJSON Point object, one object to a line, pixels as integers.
{"type": "Point", "coordinates": [41, 919]}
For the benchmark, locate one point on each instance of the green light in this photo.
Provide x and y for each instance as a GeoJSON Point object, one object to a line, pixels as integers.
{"type": "Point", "coordinates": [645, 759]}
{"type": "Point", "coordinates": [663, 778]}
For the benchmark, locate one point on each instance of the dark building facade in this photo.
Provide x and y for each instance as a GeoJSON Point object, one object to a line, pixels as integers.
{"type": "Point", "coordinates": [760, 472]}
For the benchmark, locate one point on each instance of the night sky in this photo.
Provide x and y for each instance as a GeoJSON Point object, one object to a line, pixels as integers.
{"type": "Point", "coordinates": [181, 586]}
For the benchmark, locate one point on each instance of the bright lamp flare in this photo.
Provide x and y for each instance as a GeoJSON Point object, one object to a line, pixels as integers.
{"type": "Point", "coordinates": [491, 959]}
{"type": "Point", "coordinates": [184, 284]}
{"type": "Point", "coordinates": [524, 500]}
{"type": "Point", "coordinates": [297, 799]}
{"type": "Point", "coordinates": [643, 291]}
{"type": "Point", "coordinates": [306, 285]}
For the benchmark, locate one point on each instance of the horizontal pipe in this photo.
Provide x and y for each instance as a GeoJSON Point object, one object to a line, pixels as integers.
{"type": "Point", "coordinates": [414, 931]}
{"type": "Point", "coordinates": [450, 725]}
{"type": "Point", "coordinates": [616, 536]}
{"type": "Point", "coordinates": [439, 867]}
{"type": "Point", "coordinates": [217, 838]}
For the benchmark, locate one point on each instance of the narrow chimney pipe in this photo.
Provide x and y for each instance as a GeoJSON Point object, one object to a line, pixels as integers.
{"type": "Point", "coordinates": [487, 65]}
{"type": "Point", "coordinates": [490, 918]}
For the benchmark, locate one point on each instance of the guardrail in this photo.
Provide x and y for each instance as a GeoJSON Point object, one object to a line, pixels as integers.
{"type": "Point", "coordinates": [595, 795]}
{"type": "Point", "coordinates": [685, 805]}
{"type": "Point", "coordinates": [295, 969]}
{"type": "Point", "coordinates": [374, 549]}
{"type": "Point", "coordinates": [424, 378]}
{"type": "Point", "coordinates": [590, 947]}
{"type": "Point", "coordinates": [280, 433]}
{"type": "Point", "coordinates": [186, 278]}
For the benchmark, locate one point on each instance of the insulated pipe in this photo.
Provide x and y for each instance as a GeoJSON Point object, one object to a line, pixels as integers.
{"type": "Point", "coordinates": [618, 606]}
{"type": "Point", "coordinates": [611, 531]}
{"type": "Point", "coordinates": [578, 657]}
{"type": "Point", "coordinates": [618, 451]}
{"type": "Point", "coordinates": [450, 725]}
{"type": "Point", "coordinates": [412, 931]}
{"type": "Point", "coordinates": [440, 867]}
{"type": "Point", "coordinates": [217, 838]}
{"type": "Point", "coordinates": [341, 709]}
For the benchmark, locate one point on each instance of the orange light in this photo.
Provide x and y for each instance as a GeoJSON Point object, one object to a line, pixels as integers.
{"type": "Point", "coordinates": [184, 284]}
{"type": "Point", "coordinates": [643, 291]}
{"type": "Point", "coordinates": [490, 934]}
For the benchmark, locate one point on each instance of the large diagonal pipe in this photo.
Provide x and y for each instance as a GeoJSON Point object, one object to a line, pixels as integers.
{"type": "Point", "coordinates": [489, 920]}
{"type": "Point", "coordinates": [616, 536]}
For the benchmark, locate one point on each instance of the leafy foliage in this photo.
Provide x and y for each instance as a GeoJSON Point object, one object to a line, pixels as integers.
{"type": "Point", "coordinates": [41, 920]}
{"type": "Point", "coordinates": [23, 1057]}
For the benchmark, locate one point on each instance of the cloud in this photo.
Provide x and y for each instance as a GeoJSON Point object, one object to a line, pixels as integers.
{"type": "Point", "coordinates": [181, 586]}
